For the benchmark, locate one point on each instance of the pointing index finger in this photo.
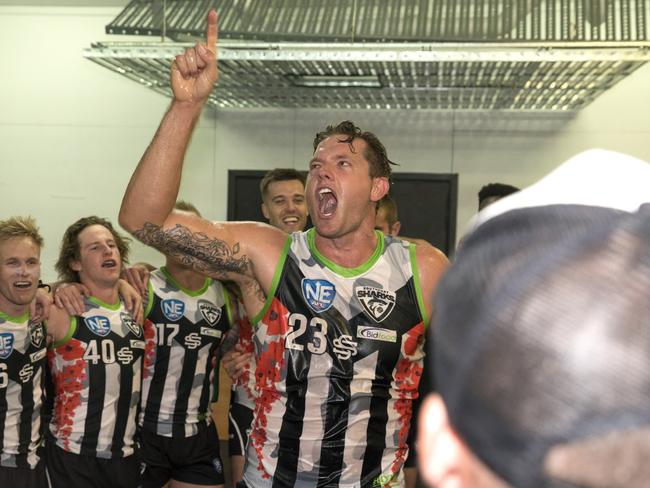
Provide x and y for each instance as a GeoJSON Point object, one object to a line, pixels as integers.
{"type": "Point", "coordinates": [212, 32]}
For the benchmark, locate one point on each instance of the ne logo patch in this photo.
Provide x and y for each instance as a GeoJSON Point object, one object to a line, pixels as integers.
{"type": "Point", "coordinates": [211, 313]}
{"type": "Point", "coordinates": [377, 302]}
{"type": "Point", "coordinates": [6, 344]}
{"type": "Point", "coordinates": [98, 324]}
{"type": "Point", "coordinates": [319, 294]}
{"type": "Point", "coordinates": [172, 308]}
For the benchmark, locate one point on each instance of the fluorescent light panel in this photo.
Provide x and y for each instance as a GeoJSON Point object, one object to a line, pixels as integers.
{"type": "Point", "coordinates": [329, 81]}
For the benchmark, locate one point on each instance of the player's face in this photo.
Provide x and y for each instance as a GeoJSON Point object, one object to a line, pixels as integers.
{"type": "Point", "coordinates": [99, 259]}
{"type": "Point", "coordinates": [20, 270]}
{"type": "Point", "coordinates": [285, 205]}
{"type": "Point", "coordinates": [340, 191]}
{"type": "Point", "coordinates": [382, 224]}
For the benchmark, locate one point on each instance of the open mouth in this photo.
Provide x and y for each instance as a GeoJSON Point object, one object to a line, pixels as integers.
{"type": "Point", "coordinates": [327, 202]}
{"type": "Point", "coordinates": [291, 220]}
{"type": "Point", "coordinates": [23, 285]}
{"type": "Point", "coordinates": [109, 263]}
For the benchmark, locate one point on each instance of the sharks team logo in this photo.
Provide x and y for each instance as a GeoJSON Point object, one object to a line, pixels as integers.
{"type": "Point", "coordinates": [210, 312]}
{"type": "Point", "coordinates": [173, 309]}
{"type": "Point", "coordinates": [6, 344]}
{"type": "Point", "coordinates": [377, 302]}
{"type": "Point", "coordinates": [98, 324]}
{"type": "Point", "coordinates": [36, 335]}
{"type": "Point", "coordinates": [131, 324]}
{"type": "Point", "coordinates": [319, 294]}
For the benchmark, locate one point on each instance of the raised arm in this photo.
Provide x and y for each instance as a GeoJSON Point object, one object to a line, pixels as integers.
{"type": "Point", "coordinates": [222, 250]}
{"type": "Point", "coordinates": [152, 191]}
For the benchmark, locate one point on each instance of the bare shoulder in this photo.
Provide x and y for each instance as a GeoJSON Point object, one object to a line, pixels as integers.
{"type": "Point", "coordinates": [430, 259]}
{"type": "Point", "coordinates": [432, 264]}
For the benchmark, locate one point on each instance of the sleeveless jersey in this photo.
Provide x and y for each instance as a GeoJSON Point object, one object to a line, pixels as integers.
{"type": "Point", "coordinates": [22, 362]}
{"type": "Point", "coordinates": [243, 388]}
{"type": "Point", "coordinates": [339, 362]}
{"type": "Point", "coordinates": [97, 373]}
{"type": "Point", "coordinates": [183, 330]}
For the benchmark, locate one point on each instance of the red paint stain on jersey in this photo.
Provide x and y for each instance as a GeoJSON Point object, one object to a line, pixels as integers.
{"type": "Point", "coordinates": [68, 372]}
{"type": "Point", "coordinates": [267, 374]}
{"type": "Point", "coordinates": [408, 372]}
{"type": "Point", "coordinates": [149, 348]}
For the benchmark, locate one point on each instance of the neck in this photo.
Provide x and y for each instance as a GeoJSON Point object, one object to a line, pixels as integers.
{"type": "Point", "coordinates": [186, 277]}
{"type": "Point", "coordinates": [107, 294]}
{"type": "Point", "coordinates": [350, 250]}
{"type": "Point", "coordinates": [12, 309]}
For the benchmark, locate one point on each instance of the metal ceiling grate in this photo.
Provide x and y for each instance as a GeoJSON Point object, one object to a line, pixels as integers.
{"type": "Point", "coordinates": [421, 76]}
{"type": "Point", "coordinates": [540, 55]}
{"type": "Point", "coordinates": [393, 20]}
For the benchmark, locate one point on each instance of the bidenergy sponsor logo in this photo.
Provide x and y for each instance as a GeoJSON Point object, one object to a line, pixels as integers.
{"type": "Point", "coordinates": [377, 334]}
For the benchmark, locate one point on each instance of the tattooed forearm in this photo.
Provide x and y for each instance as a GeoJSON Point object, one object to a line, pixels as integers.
{"type": "Point", "coordinates": [205, 254]}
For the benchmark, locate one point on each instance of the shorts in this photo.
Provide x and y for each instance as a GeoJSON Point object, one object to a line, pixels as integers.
{"type": "Point", "coordinates": [24, 477]}
{"type": "Point", "coordinates": [69, 470]}
{"type": "Point", "coordinates": [240, 419]}
{"type": "Point", "coordinates": [194, 460]}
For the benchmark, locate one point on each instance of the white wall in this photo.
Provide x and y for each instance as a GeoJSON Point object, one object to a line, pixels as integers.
{"type": "Point", "coordinates": [71, 132]}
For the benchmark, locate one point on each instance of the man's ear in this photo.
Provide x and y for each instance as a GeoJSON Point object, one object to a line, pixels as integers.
{"type": "Point", "coordinates": [75, 265]}
{"type": "Point", "coordinates": [394, 229]}
{"type": "Point", "coordinates": [265, 211]}
{"type": "Point", "coordinates": [380, 187]}
{"type": "Point", "coordinates": [440, 451]}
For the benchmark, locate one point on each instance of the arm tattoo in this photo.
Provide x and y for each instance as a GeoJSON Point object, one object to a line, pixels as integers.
{"type": "Point", "coordinates": [205, 254]}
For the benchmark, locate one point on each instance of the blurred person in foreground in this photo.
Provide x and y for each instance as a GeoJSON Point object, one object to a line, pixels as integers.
{"type": "Point", "coordinates": [542, 350]}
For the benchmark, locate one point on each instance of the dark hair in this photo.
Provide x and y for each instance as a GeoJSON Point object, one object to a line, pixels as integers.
{"type": "Point", "coordinates": [390, 207]}
{"type": "Point", "coordinates": [498, 190]}
{"type": "Point", "coordinates": [280, 174]}
{"type": "Point", "coordinates": [70, 250]}
{"type": "Point", "coordinates": [187, 207]}
{"type": "Point", "coordinates": [375, 152]}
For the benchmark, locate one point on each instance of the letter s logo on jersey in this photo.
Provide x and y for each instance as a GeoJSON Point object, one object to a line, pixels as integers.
{"type": "Point", "coordinates": [98, 324]}
{"type": "Point", "coordinates": [6, 344]}
{"type": "Point", "coordinates": [173, 309]}
{"type": "Point", "coordinates": [319, 294]}
{"type": "Point", "coordinates": [345, 347]}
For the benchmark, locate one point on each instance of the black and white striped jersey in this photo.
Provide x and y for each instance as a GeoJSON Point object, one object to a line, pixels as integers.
{"type": "Point", "coordinates": [339, 362]}
{"type": "Point", "coordinates": [22, 361]}
{"type": "Point", "coordinates": [97, 375]}
{"type": "Point", "coordinates": [183, 330]}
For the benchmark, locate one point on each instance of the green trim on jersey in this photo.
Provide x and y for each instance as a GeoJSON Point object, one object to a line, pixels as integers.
{"type": "Point", "coordinates": [418, 287]}
{"type": "Point", "coordinates": [226, 303]}
{"type": "Point", "coordinates": [72, 328]}
{"type": "Point", "coordinates": [18, 319]}
{"type": "Point", "coordinates": [192, 293]}
{"type": "Point", "coordinates": [149, 307]}
{"type": "Point", "coordinates": [340, 270]}
{"type": "Point", "coordinates": [274, 284]}
{"type": "Point", "coordinates": [110, 306]}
